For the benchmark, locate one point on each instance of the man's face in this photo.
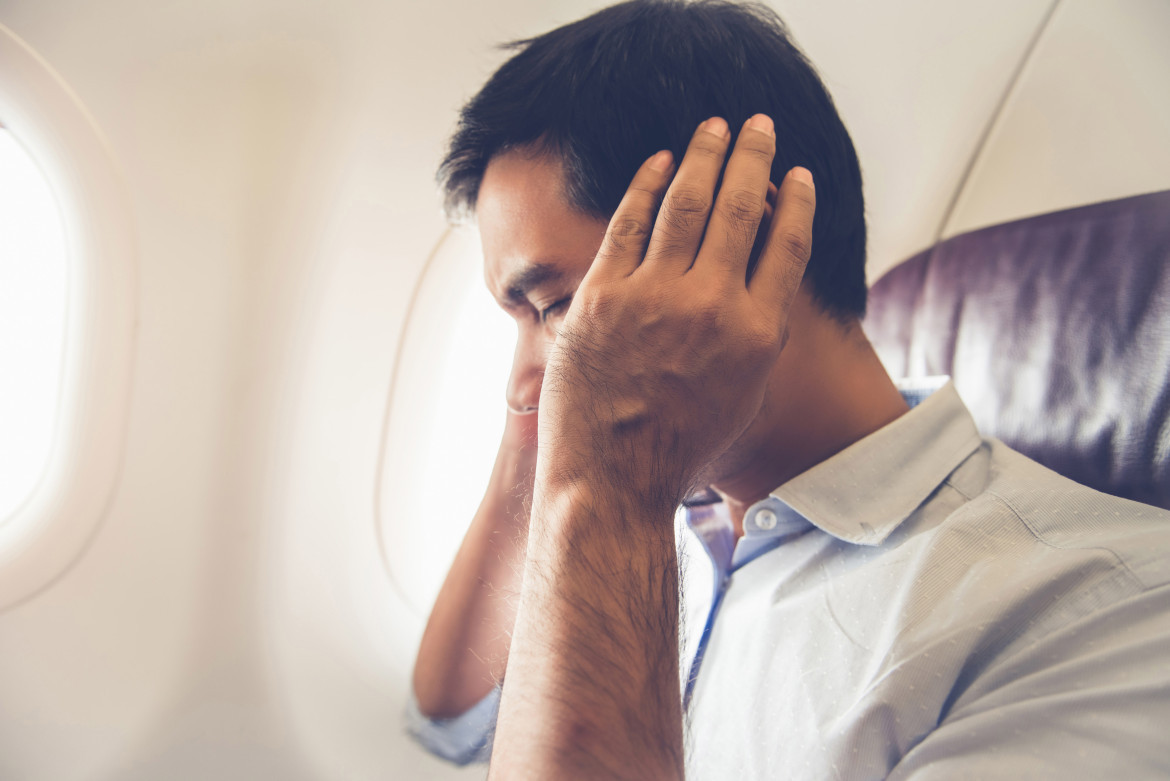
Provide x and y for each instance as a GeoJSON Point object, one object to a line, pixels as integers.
{"type": "Point", "coordinates": [536, 250]}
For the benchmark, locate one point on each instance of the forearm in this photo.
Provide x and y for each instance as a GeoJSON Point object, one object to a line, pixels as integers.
{"type": "Point", "coordinates": [464, 648]}
{"type": "Point", "coordinates": [593, 684]}
{"type": "Point", "coordinates": [661, 362]}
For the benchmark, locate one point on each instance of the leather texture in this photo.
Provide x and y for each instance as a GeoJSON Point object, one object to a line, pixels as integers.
{"type": "Point", "coordinates": [1056, 331]}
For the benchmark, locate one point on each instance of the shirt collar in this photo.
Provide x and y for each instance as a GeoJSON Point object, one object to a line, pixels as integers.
{"type": "Point", "coordinates": [863, 493]}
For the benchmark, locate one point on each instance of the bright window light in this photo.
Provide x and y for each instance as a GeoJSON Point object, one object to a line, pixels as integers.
{"type": "Point", "coordinates": [446, 418]}
{"type": "Point", "coordinates": [32, 321]}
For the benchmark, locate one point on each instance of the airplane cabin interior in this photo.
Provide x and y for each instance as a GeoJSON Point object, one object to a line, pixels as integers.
{"type": "Point", "coordinates": [251, 381]}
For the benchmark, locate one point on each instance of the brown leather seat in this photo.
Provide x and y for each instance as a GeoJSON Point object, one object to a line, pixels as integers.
{"type": "Point", "coordinates": [1056, 330]}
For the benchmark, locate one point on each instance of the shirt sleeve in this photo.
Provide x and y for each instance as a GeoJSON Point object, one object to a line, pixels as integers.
{"type": "Point", "coordinates": [1090, 701]}
{"type": "Point", "coordinates": [463, 739]}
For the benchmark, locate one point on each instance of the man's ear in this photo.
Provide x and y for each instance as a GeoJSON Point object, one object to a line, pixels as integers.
{"type": "Point", "coordinates": [762, 231]}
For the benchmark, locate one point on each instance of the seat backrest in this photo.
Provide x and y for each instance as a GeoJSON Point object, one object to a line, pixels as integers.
{"type": "Point", "coordinates": [1056, 330]}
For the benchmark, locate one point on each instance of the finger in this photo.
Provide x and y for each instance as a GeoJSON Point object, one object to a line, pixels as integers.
{"type": "Point", "coordinates": [739, 207]}
{"type": "Point", "coordinates": [762, 233]}
{"type": "Point", "coordinates": [789, 243]}
{"type": "Point", "coordinates": [625, 240]}
{"type": "Point", "coordinates": [678, 232]}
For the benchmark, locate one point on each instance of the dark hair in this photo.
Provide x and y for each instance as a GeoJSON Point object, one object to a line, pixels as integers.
{"type": "Point", "coordinates": [606, 92]}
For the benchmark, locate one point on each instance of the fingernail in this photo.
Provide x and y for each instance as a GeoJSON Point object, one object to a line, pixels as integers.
{"type": "Point", "coordinates": [717, 126]}
{"type": "Point", "coordinates": [762, 123]}
{"type": "Point", "coordinates": [802, 175]}
{"type": "Point", "coordinates": [661, 161]}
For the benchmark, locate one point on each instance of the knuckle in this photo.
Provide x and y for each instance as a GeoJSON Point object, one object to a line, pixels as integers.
{"type": "Point", "coordinates": [689, 201]}
{"type": "Point", "coordinates": [612, 245]}
{"type": "Point", "coordinates": [668, 247]}
{"type": "Point", "coordinates": [625, 232]}
{"type": "Point", "coordinates": [709, 146]}
{"type": "Point", "coordinates": [756, 149]}
{"type": "Point", "coordinates": [629, 228]}
{"type": "Point", "coordinates": [677, 226]}
{"type": "Point", "coordinates": [643, 191]}
{"type": "Point", "coordinates": [592, 306]}
{"type": "Point", "coordinates": [743, 207]}
{"type": "Point", "coordinates": [759, 340]}
{"type": "Point", "coordinates": [708, 320]}
{"type": "Point", "coordinates": [796, 243]}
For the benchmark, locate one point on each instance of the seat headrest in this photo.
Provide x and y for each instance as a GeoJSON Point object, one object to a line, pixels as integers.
{"type": "Point", "coordinates": [1056, 330]}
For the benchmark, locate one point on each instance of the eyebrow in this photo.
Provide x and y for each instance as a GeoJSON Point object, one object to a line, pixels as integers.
{"type": "Point", "coordinates": [528, 277]}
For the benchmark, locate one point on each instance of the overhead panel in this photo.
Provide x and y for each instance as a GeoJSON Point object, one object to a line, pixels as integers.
{"type": "Point", "coordinates": [1088, 120]}
{"type": "Point", "coordinates": [917, 83]}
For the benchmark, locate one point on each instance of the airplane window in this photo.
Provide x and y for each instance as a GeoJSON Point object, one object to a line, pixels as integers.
{"type": "Point", "coordinates": [445, 420]}
{"type": "Point", "coordinates": [32, 321]}
{"type": "Point", "coordinates": [68, 309]}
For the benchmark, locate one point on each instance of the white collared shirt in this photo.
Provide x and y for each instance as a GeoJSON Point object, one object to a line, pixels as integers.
{"type": "Point", "coordinates": [924, 604]}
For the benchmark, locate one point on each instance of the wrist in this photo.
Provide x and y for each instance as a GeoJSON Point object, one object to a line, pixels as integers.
{"type": "Point", "coordinates": [512, 476]}
{"type": "Point", "coordinates": [606, 485]}
{"type": "Point", "coordinates": [588, 511]}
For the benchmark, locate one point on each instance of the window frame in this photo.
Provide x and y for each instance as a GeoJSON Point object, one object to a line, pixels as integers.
{"type": "Point", "coordinates": [420, 520]}
{"type": "Point", "coordinates": [50, 531]}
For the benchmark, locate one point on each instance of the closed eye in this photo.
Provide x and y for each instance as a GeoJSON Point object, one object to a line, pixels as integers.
{"type": "Point", "coordinates": [555, 309]}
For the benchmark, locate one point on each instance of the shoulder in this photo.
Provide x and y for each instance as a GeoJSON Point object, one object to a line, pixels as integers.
{"type": "Point", "coordinates": [1015, 553]}
{"type": "Point", "coordinates": [1061, 515]}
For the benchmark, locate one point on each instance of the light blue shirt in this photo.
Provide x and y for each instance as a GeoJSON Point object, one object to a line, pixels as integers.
{"type": "Point", "coordinates": [923, 605]}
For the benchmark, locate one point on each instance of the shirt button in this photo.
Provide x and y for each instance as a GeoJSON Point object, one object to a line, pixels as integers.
{"type": "Point", "coordinates": [766, 519]}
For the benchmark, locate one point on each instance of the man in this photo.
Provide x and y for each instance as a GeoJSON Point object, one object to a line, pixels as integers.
{"type": "Point", "coordinates": [893, 596]}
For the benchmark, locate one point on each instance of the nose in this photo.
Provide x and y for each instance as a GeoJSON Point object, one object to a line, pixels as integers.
{"type": "Point", "coordinates": [527, 374]}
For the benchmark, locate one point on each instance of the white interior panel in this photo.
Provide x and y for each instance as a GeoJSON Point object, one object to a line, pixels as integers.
{"type": "Point", "coordinates": [1089, 119]}
{"type": "Point", "coordinates": [916, 82]}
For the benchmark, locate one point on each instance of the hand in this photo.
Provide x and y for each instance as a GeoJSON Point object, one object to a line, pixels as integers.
{"type": "Point", "coordinates": [464, 649]}
{"type": "Point", "coordinates": [518, 454]}
{"type": "Point", "coordinates": [661, 363]}
{"type": "Point", "coordinates": [664, 355]}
